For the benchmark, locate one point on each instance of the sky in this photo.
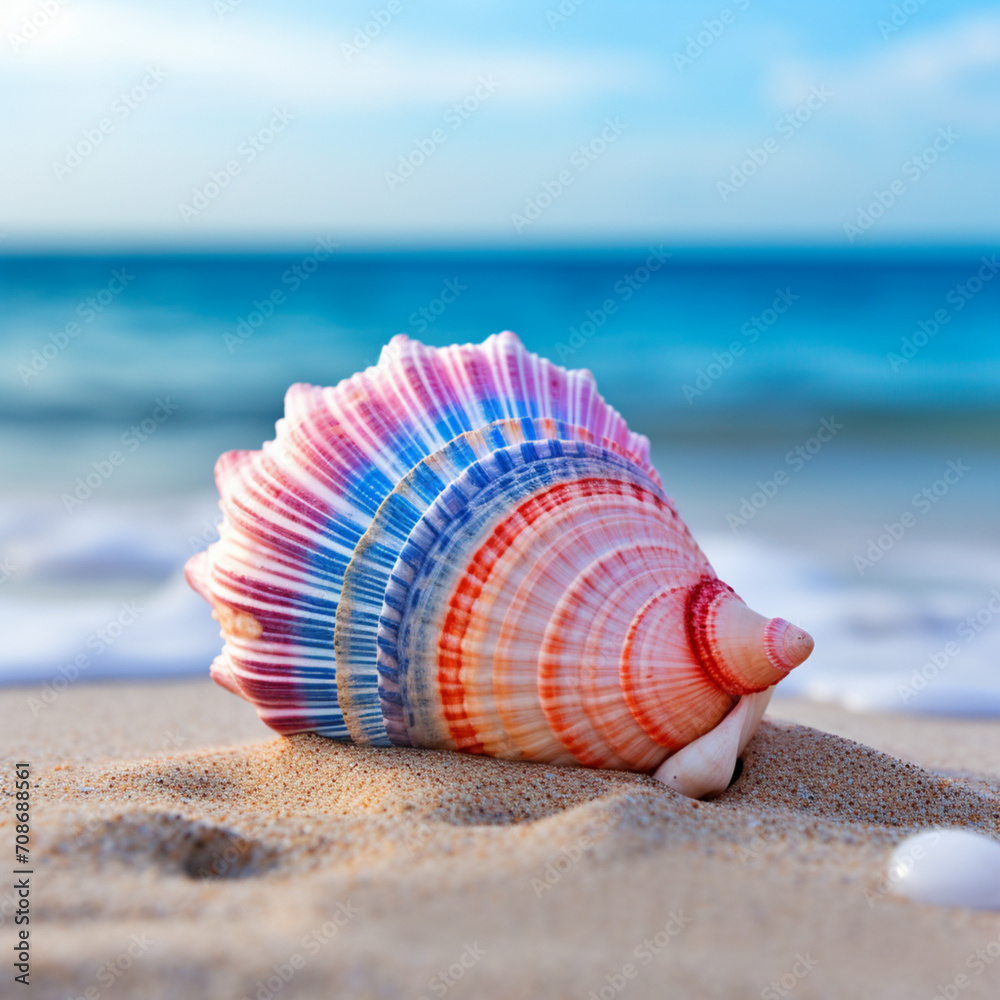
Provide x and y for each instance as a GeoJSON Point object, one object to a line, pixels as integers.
{"type": "Point", "coordinates": [249, 124]}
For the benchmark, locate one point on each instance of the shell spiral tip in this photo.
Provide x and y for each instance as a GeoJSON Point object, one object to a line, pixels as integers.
{"type": "Point", "coordinates": [787, 645]}
{"type": "Point", "coordinates": [740, 650]}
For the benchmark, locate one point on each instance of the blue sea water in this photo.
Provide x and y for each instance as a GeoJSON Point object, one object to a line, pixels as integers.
{"type": "Point", "coordinates": [827, 422]}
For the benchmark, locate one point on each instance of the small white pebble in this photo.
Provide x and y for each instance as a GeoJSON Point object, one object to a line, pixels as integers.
{"type": "Point", "coordinates": [948, 867]}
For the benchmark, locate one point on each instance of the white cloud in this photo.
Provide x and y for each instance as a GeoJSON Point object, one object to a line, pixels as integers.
{"type": "Point", "coordinates": [931, 75]}
{"type": "Point", "coordinates": [355, 118]}
{"type": "Point", "coordinates": [241, 58]}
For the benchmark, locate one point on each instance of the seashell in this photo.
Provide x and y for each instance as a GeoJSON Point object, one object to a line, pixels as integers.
{"type": "Point", "coordinates": [948, 867]}
{"type": "Point", "coordinates": [466, 548]}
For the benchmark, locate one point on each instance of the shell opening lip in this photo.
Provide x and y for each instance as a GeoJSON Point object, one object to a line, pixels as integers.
{"type": "Point", "coordinates": [786, 644]}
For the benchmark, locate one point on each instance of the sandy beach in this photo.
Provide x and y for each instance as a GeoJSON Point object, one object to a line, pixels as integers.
{"type": "Point", "coordinates": [550, 381]}
{"type": "Point", "coordinates": [180, 850]}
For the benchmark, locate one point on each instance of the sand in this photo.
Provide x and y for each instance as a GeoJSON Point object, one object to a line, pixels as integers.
{"type": "Point", "coordinates": [181, 850]}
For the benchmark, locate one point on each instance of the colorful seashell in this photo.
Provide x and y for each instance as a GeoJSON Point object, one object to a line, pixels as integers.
{"type": "Point", "coordinates": [466, 548]}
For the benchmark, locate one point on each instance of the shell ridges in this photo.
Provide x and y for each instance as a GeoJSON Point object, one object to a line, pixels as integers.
{"type": "Point", "coordinates": [467, 548]}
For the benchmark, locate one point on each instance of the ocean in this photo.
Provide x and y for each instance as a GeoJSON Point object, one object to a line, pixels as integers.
{"type": "Point", "coordinates": [826, 421]}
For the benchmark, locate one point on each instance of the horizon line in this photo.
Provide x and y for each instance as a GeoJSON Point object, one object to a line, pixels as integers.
{"type": "Point", "coordinates": [396, 247]}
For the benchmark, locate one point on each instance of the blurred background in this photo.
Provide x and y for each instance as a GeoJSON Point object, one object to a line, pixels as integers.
{"type": "Point", "coordinates": [770, 230]}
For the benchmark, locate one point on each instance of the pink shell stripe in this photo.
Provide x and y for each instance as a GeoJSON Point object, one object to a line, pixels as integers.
{"type": "Point", "coordinates": [295, 511]}
{"type": "Point", "coordinates": [429, 570]}
{"type": "Point", "coordinates": [563, 523]}
{"type": "Point", "coordinates": [363, 622]}
{"type": "Point", "coordinates": [614, 579]}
